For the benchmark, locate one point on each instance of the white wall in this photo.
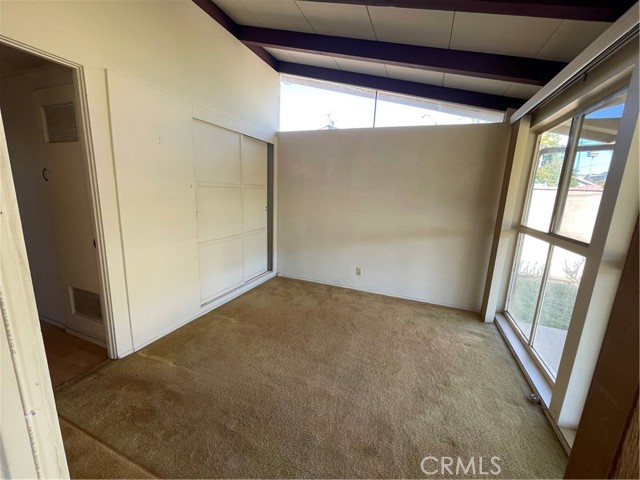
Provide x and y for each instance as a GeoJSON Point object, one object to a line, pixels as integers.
{"type": "Point", "coordinates": [172, 46]}
{"type": "Point", "coordinates": [413, 207]}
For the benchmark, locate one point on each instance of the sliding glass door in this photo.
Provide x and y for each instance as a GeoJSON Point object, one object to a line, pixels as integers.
{"type": "Point", "coordinates": [568, 177]}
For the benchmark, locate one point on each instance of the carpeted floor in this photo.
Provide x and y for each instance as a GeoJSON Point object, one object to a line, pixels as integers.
{"type": "Point", "coordinates": [301, 380]}
{"type": "Point", "coordinates": [89, 457]}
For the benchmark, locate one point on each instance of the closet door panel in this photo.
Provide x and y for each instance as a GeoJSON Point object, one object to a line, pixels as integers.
{"type": "Point", "coordinates": [231, 197]}
{"type": "Point", "coordinates": [220, 268]}
{"type": "Point", "coordinates": [219, 212]}
{"type": "Point", "coordinates": [217, 154]}
{"type": "Point", "coordinates": [254, 252]}
{"type": "Point", "coordinates": [254, 209]}
{"type": "Point", "coordinates": [254, 162]}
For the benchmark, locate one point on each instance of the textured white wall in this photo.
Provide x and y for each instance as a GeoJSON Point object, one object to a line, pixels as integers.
{"type": "Point", "coordinates": [414, 208]}
{"type": "Point", "coordinates": [172, 46]}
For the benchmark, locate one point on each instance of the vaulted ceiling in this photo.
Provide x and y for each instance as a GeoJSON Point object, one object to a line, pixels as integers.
{"type": "Point", "coordinates": [485, 53]}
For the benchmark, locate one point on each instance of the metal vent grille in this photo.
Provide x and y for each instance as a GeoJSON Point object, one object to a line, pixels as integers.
{"type": "Point", "coordinates": [86, 304]}
{"type": "Point", "coordinates": [60, 123]}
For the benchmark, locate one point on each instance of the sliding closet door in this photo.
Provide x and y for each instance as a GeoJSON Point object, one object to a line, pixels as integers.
{"type": "Point", "coordinates": [231, 201]}
{"type": "Point", "coordinates": [254, 207]}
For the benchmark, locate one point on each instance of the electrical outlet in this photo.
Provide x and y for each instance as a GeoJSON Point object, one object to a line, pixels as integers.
{"type": "Point", "coordinates": [358, 271]}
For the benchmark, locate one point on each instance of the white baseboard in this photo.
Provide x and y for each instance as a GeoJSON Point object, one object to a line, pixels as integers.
{"type": "Point", "coordinates": [71, 331]}
{"type": "Point", "coordinates": [88, 338]}
{"type": "Point", "coordinates": [53, 322]}
{"type": "Point", "coordinates": [377, 292]}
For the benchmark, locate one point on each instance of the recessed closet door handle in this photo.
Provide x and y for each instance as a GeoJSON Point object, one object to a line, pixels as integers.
{"type": "Point", "coordinates": [45, 174]}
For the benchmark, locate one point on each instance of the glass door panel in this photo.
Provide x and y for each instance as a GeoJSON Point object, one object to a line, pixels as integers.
{"type": "Point", "coordinates": [590, 168]}
{"type": "Point", "coordinates": [558, 299]}
{"type": "Point", "coordinates": [570, 170]}
{"type": "Point", "coordinates": [527, 280]}
{"type": "Point", "coordinates": [552, 146]}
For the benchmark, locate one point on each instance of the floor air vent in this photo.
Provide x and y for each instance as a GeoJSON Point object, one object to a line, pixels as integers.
{"type": "Point", "coordinates": [60, 123]}
{"type": "Point", "coordinates": [86, 304]}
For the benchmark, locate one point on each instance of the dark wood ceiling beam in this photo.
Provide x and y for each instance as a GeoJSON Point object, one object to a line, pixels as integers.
{"type": "Point", "coordinates": [481, 100]}
{"type": "Point", "coordinates": [218, 15]}
{"type": "Point", "coordinates": [598, 10]}
{"type": "Point", "coordinates": [265, 56]}
{"type": "Point", "coordinates": [485, 65]}
{"type": "Point", "coordinates": [464, 97]}
{"type": "Point", "coordinates": [232, 27]}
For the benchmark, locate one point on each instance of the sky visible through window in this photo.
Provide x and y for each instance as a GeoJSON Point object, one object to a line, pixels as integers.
{"type": "Point", "coordinates": [307, 104]}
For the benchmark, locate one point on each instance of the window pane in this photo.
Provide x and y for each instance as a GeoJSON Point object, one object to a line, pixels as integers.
{"type": "Point", "coordinates": [395, 110]}
{"type": "Point", "coordinates": [525, 289]}
{"type": "Point", "coordinates": [308, 104]}
{"type": "Point", "coordinates": [550, 158]}
{"type": "Point", "coordinates": [565, 272]}
{"type": "Point", "coordinates": [590, 168]}
{"type": "Point", "coordinates": [314, 105]}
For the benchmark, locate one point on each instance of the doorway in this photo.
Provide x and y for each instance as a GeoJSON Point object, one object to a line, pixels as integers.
{"type": "Point", "coordinates": [42, 118]}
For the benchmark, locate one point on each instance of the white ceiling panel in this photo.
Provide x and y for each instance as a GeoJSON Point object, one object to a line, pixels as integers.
{"type": "Point", "coordinates": [279, 14]}
{"type": "Point", "coordinates": [283, 55]}
{"type": "Point", "coordinates": [430, 28]}
{"type": "Point", "coordinates": [315, 60]}
{"type": "Point", "coordinates": [503, 34]}
{"type": "Point", "coordinates": [338, 20]}
{"type": "Point", "coordinates": [415, 75]}
{"type": "Point", "coordinates": [483, 85]}
{"type": "Point", "coordinates": [237, 12]}
{"type": "Point", "coordinates": [359, 66]}
{"type": "Point", "coordinates": [570, 39]}
{"type": "Point", "coordinates": [520, 90]}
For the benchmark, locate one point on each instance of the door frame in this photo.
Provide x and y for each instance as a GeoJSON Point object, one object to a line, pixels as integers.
{"type": "Point", "coordinates": [89, 163]}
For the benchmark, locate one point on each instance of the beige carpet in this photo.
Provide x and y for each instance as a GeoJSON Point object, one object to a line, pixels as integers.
{"type": "Point", "coordinates": [88, 457]}
{"type": "Point", "coordinates": [301, 380]}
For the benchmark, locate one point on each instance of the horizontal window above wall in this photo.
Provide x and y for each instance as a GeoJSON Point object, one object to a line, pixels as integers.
{"type": "Point", "coordinates": [307, 104]}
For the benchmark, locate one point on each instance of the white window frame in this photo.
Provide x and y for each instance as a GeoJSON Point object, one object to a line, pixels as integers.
{"type": "Point", "coordinates": [551, 237]}
{"type": "Point", "coordinates": [563, 400]}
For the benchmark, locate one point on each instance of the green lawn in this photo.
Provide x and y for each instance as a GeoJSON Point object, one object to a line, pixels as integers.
{"type": "Point", "coordinates": [557, 305]}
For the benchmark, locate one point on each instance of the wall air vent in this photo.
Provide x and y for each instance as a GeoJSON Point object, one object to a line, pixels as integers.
{"type": "Point", "coordinates": [86, 304]}
{"type": "Point", "coordinates": [60, 123]}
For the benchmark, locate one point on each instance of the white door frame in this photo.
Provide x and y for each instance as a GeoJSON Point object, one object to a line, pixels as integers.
{"type": "Point", "coordinates": [92, 183]}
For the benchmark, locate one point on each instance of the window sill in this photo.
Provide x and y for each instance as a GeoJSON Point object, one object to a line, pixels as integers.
{"type": "Point", "coordinates": [532, 371]}
{"type": "Point", "coordinates": [534, 375]}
